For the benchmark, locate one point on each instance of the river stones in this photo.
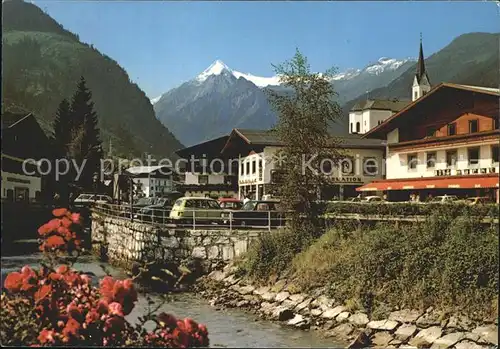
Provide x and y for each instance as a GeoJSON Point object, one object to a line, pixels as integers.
{"type": "Point", "coordinates": [383, 325]}
{"type": "Point", "coordinates": [316, 312]}
{"type": "Point", "coordinates": [322, 302]}
{"type": "Point", "coordinates": [487, 333]}
{"type": "Point", "coordinates": [430, 319]}
{"type": "Point", "coordinates": [405, 316]}
{"type": "Point", "coordinates": [297, 298]}
{"type": "Point", "coordinates": [426, 337]}
{"type": "Point", "coordinates": [282, 313]}
{"type": "Point", "coordinates": [217, 275]}
{"type": "Point", "coordinates": [299, 321]}
{"type": "Point", "coordinates": [461, 323]}
{"type": "Point", "coordinates": [261, 290]}
{"type": "Point", "coordinates": [303, 305]}
{"type": "Point", "coordinates": [466, 344]}
{"type": "Point", "coordinates": [342, 331]}
{"type": "Point", "coordinates": [333, 313]}
{"type": "Point", "coordinates": [343, 316]}
{"type": "Point", "coordinates": [359, 319]}
{"type": "Point", "coordinates": [448, 340]}
{"type": "Point", "coordinates": [381, 339]}
{"type": "Point", "coordinates": [246, 290]}
{"type": "Point", "coordinates": [278, 286]}
{"type": "Point", "coordinates": [268, 296]}
{"type": "Point", "coordinates": [280, 297]}
{"type": "Point", "coordinates": [405, 332]}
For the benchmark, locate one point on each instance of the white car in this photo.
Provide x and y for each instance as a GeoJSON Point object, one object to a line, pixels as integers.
{"type": "Point", "coordinates": [372, 199]}
{"type": "Point", "coordinates": [88, 199]}
{"type": "Point", "coordinates": [444, 199]}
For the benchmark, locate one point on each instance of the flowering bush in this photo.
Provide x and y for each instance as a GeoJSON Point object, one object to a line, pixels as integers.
{"type": "Point", "coordinates": [59, 306]}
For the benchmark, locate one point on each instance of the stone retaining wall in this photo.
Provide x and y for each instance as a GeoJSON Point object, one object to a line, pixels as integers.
{"type": "Point", "coordinates": [405, 328]}
{"type": "Point", "coordinates": [125, 242]}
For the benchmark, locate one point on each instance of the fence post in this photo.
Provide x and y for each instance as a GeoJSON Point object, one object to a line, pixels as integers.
{"type": "Point", "coordinates": [230, 221]}
{"type": "Point", "coordinates": [269, 220]}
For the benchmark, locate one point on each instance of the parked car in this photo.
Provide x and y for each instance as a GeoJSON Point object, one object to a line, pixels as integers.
{"type": "Point", "coordinates": [143, 202]}
{"type": "Point", "coordinates": [257, 213]}
{"type": "Point", "coordinates": [157, 212]}
{"type": "Point", "coordinates": [230, 203]}
{"type": "Point", "coordinates": [478, 200]}
{"type": "Point", "coordinates": [197, 209]}
{"type": "Point", "coordinates": [85, 200]}
{"type": "Point", "coordinates": [444, 199]}
{"type": "Point", "coordinates": [371, 199]}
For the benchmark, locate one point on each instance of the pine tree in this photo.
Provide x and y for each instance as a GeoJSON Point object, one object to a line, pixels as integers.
{"type": "Point", "coordinates": [84, 126]}
{"type": "Point", "coordinates": [62, 128]}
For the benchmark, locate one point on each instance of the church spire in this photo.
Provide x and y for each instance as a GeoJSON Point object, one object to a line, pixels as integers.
{"type": "Point", "coordinates": [421, 63]}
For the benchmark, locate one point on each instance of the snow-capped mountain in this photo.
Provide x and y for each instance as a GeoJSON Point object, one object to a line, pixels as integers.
{"type": "Point", "coordinates": [220, 98]}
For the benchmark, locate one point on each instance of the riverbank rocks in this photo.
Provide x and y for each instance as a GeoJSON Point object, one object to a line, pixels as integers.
{"type": "Point", "coordinates": [381, 339]}
{"type": "Point", "coordinates": [299, 321]}
{"type": "Point", "coordinates": [280, 297]}
{"type": "Point", "coordinates": [303, 305]}
{"type": "Point", "coordinates": [468, 345]}
{"type": "Point", "coordinates": [383, 325]}
{"type": "Point", "coordinates": [333, 313]}
{"type": "Point", "coordinates": [316, 312]}
{"type": "Point", "coordinates": [245, 290]}
{"type": "Point", "coordinates": [488, 333]}
{"type": "Point", "coordinates": [359, 319]}
{"type": "Point", "coordinates": [322, 302]}
{"type": "Point", "coordinates": [282, 313]}
{"type": "Point", "coordinates": [426, 337]}
{"type": "Point", "coordinates": [431, 319]}
{"type": "Point", "coordinates": [343, 316]}
{"type": "Point", "coordinates": [459, 323]}
{"type": "Point", "coordinates": [448, 340]}
{"type": "Point", "coordinates": [278, 286]}
{"type": "Point", "coordinates": [342, 331]}
{"type": "Point", "coordinates": [268, 296]}
{"type": "Point", "coordinates": [405, 316]}
{"type": "Point", "coordinates": [404, 332]}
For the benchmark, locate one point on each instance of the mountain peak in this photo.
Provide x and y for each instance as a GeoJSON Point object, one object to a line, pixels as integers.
{"type": "Point", "coordinates": [216, 68]}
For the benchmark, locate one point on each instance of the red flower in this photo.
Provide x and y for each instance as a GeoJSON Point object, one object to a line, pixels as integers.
{"type": "Point", "coordinates": [46, 336]}
{"type": "Point", "coordinates": [59, 212]}
{"type": "Point", "coordinates": [66, 222]}
{"type": "Point", "coordinates": [74, 312]}
{"type": "Point", "coordinates": [13, 282]}
{"type": "Point", "coordinates": [62, 269]}
{"type": "Point", "coordinates": [191, 325]}
{"type": "Point", "coordinates": [115, 308]}
{"type": "Point", "coordinates": [44, 229]}
{"type": "Point", "coordinates": [55, 241]}
{"type": "Point", "coordinates": [107, 284]}
{"type": "Point", "coordinates": [71, 328]}
{"type": "Point", "coordinates": [75, 218]}
{"type": "Point", "coordinates": [42, 292]}
{"type": "Point", "coordinates": [92, 316]}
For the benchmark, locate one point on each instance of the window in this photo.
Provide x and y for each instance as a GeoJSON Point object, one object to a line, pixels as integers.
{"type": "Point", "coordinates": [473, 126]}
{"type": "Point", "coordinates": [248, 168]}
{"type": "Point", "coordinates": [451, 157]}
{"type": "Point", "coordinates": [242, 168]}
{"type": "Point", "coordinates": [358, 127]}
{"type": "Point", "coordinates": [452, 129]}
{"type": "Point", "coordinates": [495, 123]}
{"type": "Point", "coordinates": [412, 161]}
{"type": "Point", "coordinates": [494, 153]}
{"type": "Point", "coordinates": [473, 155]}
{"type": "Point", "coordinates": [415, 95]}
{"type": "Point", "coordinates": [352, 127]}
{"type": "Point", "coordinates": [431, 159]}
{"type": "Point", "coordinates": [253, 166]}
{"type": "Point", "coordinates": [370, 167]}
{"type": "Point", "coordinates": [430, 131]}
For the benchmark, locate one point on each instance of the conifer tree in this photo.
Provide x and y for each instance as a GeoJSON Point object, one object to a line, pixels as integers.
{"type": "Point", "coordinates": [62, 128]}
{"type": "Point", "coordinates": [86, 133]}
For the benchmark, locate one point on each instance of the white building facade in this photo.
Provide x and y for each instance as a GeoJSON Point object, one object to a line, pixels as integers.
{"type": "Point", "coordinates": [152, 181]}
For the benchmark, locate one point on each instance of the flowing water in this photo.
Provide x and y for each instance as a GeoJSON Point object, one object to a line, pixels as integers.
{"type": "Point", "coordinates": [227, 328]}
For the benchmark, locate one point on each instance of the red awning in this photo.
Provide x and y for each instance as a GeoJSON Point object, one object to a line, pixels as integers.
{"type": "Point", "coordinates": [460, 182]}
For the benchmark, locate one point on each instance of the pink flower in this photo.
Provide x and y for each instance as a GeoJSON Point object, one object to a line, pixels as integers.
{"type": "Point", "coordinates": [46, 336]}
{"type": "Point", "coordinates": [115, 308]}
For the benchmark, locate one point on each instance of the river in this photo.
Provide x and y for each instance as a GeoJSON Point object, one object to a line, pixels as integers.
{"type": "Point", "coordinates": [227, 328]}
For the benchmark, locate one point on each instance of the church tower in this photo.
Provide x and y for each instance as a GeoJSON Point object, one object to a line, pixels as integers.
{"type": "Point", "coordinates": [421, 82]}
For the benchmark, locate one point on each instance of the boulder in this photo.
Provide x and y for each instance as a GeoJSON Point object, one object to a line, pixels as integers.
{"type": "Point", "coordinates": [448, 340]}
{"type": "Point", "coordinates": [231, 280]}
{"type": "Point", "coordinates": [282, 313]}
{"type": "Point", "coordinates": [405, 316]}
{"type": "Point", "coordinates": [359, 319]}
{"type": "Point", "coordinates": [299, 321]}
{"type": "Point", "coordinates": [405, 332]}
{"type": "Point", "coordinates": [242, 303]}
{"type": "Point", "coordinates": [261, 290]}
{"type": "Point", "coordinates": [267, 308]}
{"type": "Point", "coordinates": [333, 313]}
{"type": "Point", "coordinates": [342, 331]}
{"type": "Point", "coordinates": [246, 290]}
{"type": "Point", "coordinates": [460, 323]}
{"type": "Point", "coordinates": [268, 296]}
{"type": "Point", "coordinates": [280, 297]}
{"type": "Point", "coordinates": [316, 312]}
{"type": "Point", "coordinates": [381, 339]}
{"type": "Point", "coordinates": [487, 333]}
{"type": "Point", "coordinates": [304, 304]}
{"type": "Point", "coordinates": [343, 316]}
{"type": "Point", "coordinates": [429, 319]}
{"type": "Point", "coordinates": [426, 337]}
{"type": "Point", "coordinates": [383, 325]}
{"type": "Point", "coordinates": [322, 302]}
{"type": "Point", "coordinates": [466, 344]}
{"type": "Point", "coordinates": [297, 298]}
{"type": "Point", "coordinates": [217, 275]}
{"type": "Point", "coordinates": [288, 304]}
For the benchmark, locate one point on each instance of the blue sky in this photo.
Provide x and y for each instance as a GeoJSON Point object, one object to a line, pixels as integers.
{"type": "Point", "coordinates": [162, 44]}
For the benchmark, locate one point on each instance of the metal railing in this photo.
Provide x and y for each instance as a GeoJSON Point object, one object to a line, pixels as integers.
{"type": "Point", "coordinates": [196, 218]}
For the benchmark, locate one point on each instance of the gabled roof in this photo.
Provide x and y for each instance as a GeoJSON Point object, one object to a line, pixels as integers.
{"type": "Point", "coordinates": [380, 104]}
{"type": "Point", "coordinates": [269, 138]}
{"type": "Point", "coordinates": [10, 120]}
{"type": "Point", "coordinates": [212, 146]}
{"type": "Point", "coordinates": [385, 126]}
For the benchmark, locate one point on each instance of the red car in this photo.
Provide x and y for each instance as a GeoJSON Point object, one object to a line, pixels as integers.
{"type": "Point", "coordinates": [230, 203]}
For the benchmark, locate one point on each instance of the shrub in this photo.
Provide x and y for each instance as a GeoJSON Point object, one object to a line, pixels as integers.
{"type": "Point", "coordinates": [59, 306]}
{"type": "Point", "coordinates": [450, 262]}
